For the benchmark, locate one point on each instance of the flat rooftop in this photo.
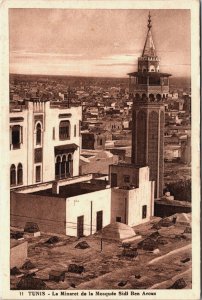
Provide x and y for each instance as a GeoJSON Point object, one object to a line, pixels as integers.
{"type": "Point", "coordinates": [128, 165]}
{"type": "Point", "coordinates": [72, 190]}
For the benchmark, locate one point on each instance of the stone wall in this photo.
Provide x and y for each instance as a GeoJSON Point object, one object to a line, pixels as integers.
{"type": "Point", "coordinates": [165, 210]}
{"type": "Point", "coordinates": [48, 212]}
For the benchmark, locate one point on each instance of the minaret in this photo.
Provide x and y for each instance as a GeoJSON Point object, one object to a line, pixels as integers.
{"type": "Point", "coordinates": [148, 88]}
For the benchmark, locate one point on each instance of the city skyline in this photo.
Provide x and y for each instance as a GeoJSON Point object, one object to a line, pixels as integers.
{"type": "Point", "coordinates": [103, 43]}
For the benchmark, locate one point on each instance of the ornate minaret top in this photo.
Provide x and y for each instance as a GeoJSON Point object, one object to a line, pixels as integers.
{"type": "Point", "coordinates": [148, 82]}
{"type": "Point", "coordinates": [149, 48]}
{"type": "Point", "coordinates": [149, 61]}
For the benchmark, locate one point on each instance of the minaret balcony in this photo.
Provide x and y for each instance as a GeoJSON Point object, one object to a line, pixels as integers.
{"type": "Point", "coordinates": [153, 100]}
{"type": "Point", "coordinates": [149, 89]}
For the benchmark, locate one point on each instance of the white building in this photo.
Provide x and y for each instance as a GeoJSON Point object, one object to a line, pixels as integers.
{"type": "Point", "coordinates": [81, 206]}
{"type": "Point", "coordinates": [132, 194]}
{"type": "Point", "coordinates": [76, 209]}
{"type": "Point", "coordinates": [44, 142]}
{"type": "Point", "coordinates": [45, 184]}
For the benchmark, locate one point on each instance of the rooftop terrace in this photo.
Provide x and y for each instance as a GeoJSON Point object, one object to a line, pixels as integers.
{"type": "Point", "coordinates": [75, 189]}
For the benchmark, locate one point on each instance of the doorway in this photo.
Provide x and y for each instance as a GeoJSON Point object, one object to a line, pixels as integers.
{"type": "Point", "coordinates": [80, 223]}
{"type": "Point", "coordinates": [99, 220]}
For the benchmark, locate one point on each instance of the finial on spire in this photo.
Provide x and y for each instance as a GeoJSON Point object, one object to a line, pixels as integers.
{"type": "Point", "coordinates": [149, 21]}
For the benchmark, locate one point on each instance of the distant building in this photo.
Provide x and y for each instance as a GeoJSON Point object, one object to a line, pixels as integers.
{"type": "Point", "coordinates": [93, 140]}
{"type": "Point", "coordinates": [179, 130]}
{"type": "Point", "coordinates": [120, 152]}
{"type": "Point", "coordinates": [112, 124]}
{"type": "Point", "coordinates": [96, 161]}
{"type": "Point", "coordinates": [186, 151]}
{"type": "Point", "coordinates": [172, 152]}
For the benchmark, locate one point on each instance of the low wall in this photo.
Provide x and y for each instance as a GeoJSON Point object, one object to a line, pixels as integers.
{"type": "Point", "coordinates": [165, 210]}
{"type": "Point", "coordinates": [18, 254]}
{"type": "Point", "coordinates": [48, 185]}
{"type": "Point", "coordinates": [48, 212]}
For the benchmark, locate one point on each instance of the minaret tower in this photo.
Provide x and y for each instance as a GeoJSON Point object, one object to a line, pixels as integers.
{"type": "Point", "coordinates": [149, 88]}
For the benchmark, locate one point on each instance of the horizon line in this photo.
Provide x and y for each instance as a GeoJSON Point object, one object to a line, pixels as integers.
{"type": "Point", "coordinates": [87, 76]}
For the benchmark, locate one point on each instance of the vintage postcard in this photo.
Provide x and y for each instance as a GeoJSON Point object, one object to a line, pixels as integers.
{"type": "Point", "coordinates": [100, 161]}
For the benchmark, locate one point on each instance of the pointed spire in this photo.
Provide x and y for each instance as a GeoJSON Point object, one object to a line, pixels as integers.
{"type": "Point", "coordinates": [149, 48]}
{"type": "Point", "coordinates": [149, 21]}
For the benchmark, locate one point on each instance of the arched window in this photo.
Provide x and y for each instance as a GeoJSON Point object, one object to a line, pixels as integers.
{"type": "Point", "coordinates": [67, 168]}
{"type": "Point", "coordinates": [151, 97]}
{"type": "Point", "coordinates": [69, 165]}
{"type": "Point", "coordinates": [38, 134]}
{"type": "Point", "coordinates": [63, 165]}
{"type": "Point", "coordinates": [13, 175]}
{"type": "Point", "coordinates": [144, 96]}
{"type": "Point", "coordinates": [19, 174]}
{"type": "Point", "coordinates": [58, 167]}
{"type": "Point", "coordinates": [64, 130]}
{"type": "Point", "coordinates": [158, 97]}
{"type": "Point", "coordinates": [152, 68]}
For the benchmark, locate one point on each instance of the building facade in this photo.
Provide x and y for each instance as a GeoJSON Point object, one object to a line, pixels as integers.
{"type": "Point", "coordinates": [44, 142]}
{"type": "Point", "coordinates": [148, 88]}
{"type": "Point", "coordinates": [132, 194]}
{"type": "Point", "coordinates": [93, 140]}
{"type": "Point", "coordinates": [82, 206]}
{"type": "Point", "coordinates": [72, 211]}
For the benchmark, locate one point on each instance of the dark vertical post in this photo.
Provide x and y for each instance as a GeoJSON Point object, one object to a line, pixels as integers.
{"type": "Point", "coordinates": [125, 210]}
{"type": "Point", "coordinates": [68, 98]}
{"type": "Point", "coordinates": [91, 216]}
{"type": "Point", "coordinates": [101, 244]}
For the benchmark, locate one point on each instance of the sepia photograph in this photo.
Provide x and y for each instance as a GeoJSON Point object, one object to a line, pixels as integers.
{"type": "Point", "coordinates": [102, 136]}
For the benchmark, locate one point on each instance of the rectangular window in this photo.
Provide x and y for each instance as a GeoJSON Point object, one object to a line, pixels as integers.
{"type": "Point", "coordinates": [38, 173]}
{"type": "Point", "coordinates": [64, 130]}
{"type": "Point", "coordinates": [118, 219]}
{"type": "Point", "coordinates": [16, 136]}
{"type": "Point", "coordinates": [74, 130]}
{"type": "Point", "coordinates": [144, 211]}
{"type": "Point", "coordinates": [53, 133]}
{"type": "Point", "coordinates": [126, 178]}
{"type": "Point", "coordinates": [38, 155]}
{"type": "Point", "coordinates": [113, 179]}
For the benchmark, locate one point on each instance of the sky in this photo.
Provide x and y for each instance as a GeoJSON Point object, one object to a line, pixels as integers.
{"type": "Point", "coordinates": [81, 42]}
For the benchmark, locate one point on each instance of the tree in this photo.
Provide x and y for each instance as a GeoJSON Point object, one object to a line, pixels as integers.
{"type": "Point", "coordinates": [181, 189]}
